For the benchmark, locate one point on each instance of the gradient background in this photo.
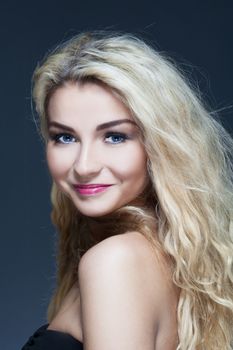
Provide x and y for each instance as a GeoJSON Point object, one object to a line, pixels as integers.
{"type": "Point", "coordinates": [196, 33]}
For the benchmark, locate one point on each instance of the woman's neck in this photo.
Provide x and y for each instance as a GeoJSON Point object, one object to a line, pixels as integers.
{"type": "Point", "coordinates": [128, 218]}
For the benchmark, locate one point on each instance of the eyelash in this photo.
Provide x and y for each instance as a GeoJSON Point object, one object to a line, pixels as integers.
{"type": "Point", "coordinates": [110, 134]}
{"type": "Point", "coordinates": [57, 137]}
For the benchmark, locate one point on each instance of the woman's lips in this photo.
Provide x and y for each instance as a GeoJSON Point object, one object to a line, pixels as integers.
{"type": "Point", "coordinates": [91, 189]}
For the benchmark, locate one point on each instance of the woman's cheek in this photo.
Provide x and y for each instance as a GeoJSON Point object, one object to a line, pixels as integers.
{"type": "Point", "coordinates": [59, 162]}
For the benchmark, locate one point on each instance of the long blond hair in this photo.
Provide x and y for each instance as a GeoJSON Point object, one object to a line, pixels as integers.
{"type": "Point", "coordinates": [190, 171]}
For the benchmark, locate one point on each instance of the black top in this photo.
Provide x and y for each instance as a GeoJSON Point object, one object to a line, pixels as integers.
{"type": "Point", "coordinates": [47, 339]}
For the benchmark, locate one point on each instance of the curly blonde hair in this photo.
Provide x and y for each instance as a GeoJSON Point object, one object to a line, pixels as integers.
{"type": "Point", "coordinates": [190, 169]}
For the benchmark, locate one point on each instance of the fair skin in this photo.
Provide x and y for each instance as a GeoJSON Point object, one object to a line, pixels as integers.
{"type": "Point", "coordinates": [125, 298]}
{"type": "Point", "coordinates": [84, 149]}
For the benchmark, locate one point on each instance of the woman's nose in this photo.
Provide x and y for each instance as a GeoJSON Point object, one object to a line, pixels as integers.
{"type": "Point", "coordinates": [87, 163]}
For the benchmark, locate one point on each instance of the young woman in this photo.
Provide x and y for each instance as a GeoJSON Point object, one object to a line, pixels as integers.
{"type": "Point", "coordinates": [142, 200]}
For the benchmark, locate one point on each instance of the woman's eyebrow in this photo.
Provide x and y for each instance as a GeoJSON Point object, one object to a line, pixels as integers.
{"type": "Point", "coordinates": [113, 123]}
{"type": "Point", "coordinates": [60, 125]}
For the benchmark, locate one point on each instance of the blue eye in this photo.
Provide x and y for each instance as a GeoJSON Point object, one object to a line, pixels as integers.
{"type": "Point", "coordinates": [63, 138]}
{"type": "Point", "coordinates": [115, 137]}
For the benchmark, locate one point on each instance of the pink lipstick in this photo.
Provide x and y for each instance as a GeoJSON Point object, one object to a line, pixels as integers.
{"type": "Point", "coordinates": [91, 189]}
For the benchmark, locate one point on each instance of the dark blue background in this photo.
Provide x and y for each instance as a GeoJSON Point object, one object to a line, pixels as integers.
{"type": "Point", "coordinates": [197, 33]}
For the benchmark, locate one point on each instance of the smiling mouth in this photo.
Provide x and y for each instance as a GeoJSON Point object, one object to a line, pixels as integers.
{"type": "Point", "coordinates": [91, 189]}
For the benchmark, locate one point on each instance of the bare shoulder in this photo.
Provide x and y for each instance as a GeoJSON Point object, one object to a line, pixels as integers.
{"type": "Point", "coordinates": [123, 291]}
{"type": "Point", "coordinates": [129, 250]}
{"type": "Point", "coordinates": [131, 244]}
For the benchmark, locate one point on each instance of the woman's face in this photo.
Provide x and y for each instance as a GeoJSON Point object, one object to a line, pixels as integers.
{"type": "Point", "coordinates": [94, 151]}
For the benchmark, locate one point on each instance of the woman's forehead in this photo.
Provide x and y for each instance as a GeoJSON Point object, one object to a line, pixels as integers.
{"type": "Point", "coordinates": [87, 102]}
